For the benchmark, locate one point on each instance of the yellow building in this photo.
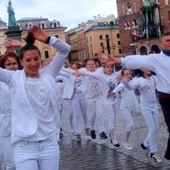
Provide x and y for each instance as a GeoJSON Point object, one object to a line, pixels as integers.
{"type": "Point", "coordinates": [53, 28]}
{"type": "Point", "coordinates": [104, 38]}
{"type": "Point", "coordinates": [100, 34]}
{"type": "Point", "coordinates": [3, 28]}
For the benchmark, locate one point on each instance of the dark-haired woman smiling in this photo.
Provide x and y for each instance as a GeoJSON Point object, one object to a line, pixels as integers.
{"type": "Point", "coordinates": [35, 115]}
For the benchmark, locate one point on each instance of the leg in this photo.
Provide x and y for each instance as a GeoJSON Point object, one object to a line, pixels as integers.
{"type": "Point", "coordinates": [165, 104]}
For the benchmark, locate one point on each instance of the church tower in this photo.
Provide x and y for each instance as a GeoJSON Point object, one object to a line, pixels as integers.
{"type": "Point", "coordinates": [141, 23]}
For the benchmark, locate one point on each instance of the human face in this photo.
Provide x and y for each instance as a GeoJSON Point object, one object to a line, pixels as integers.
{"type": "Point", "coordinates": [108, 69]}
{"type": "Point", "coordinates": [11, 64]}
{"type": "Point", "coordinates": [31, 62]}
{"type": "Point", "coordinates": [127, 75]}
{"type": "Point", "coordinates": [91, 65]}
{"type": "Point", "coordinates": [146, 72]}
{"type": "Point", "coordinates": [165, 43]}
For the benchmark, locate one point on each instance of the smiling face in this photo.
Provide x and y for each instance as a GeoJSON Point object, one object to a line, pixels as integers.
{"type": "Point", "coordinates": [31, 62]}
{"type": "Point", "coordinates": [91, 65]}
{"type": "Point", "coordinates": [127, 74]}
{"type": "Point", "coordinates": [108, 69]}
{"type": "Point", "coordinates": [11, 64]}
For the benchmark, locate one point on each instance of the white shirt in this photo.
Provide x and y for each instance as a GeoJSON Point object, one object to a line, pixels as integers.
{"type": "Point", "coordinates": [27, 119]}
{"type": "Point", "coordinates": [159, 63]}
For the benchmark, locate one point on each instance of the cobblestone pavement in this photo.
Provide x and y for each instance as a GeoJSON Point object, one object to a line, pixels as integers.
{"type": "Point", "coordinates": [101, 155]}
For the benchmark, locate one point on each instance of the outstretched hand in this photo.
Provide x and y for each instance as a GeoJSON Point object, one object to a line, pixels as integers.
{"type": "Point", "coordinates": [108, 59]}
{"type": "Point", "coordinates": [39, 33]}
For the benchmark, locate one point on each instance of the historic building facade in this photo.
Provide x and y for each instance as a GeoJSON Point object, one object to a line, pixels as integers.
{"type": "Point", "coordinates": [53, 28]}
{"type": "Point", "coordinates": [141, 24]}
{"type": "Point", "coordinates": [100, 34]}
{"type": "Point", "coordinates": [3, 28]}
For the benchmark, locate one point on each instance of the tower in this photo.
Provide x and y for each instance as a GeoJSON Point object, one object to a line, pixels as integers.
{"type": "Point", "coordinates": [141, 23]}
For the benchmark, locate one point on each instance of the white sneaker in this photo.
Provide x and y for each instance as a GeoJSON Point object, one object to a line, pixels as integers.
{"type": "Point", "coordinates": [156, 157]}
{"type": "Point", "coordinates": [87, 131]}
{"type": "Point", "coordinates": [127, 145]}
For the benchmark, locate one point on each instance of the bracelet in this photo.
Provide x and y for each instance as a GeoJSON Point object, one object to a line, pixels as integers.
{"type": "Point", "coordinates": [48, 40]}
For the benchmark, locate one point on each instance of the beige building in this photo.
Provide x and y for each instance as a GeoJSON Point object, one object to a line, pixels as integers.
{"type": "Point", "coordinates": [100, 34]}
{"type": "Point", "coordinates": [3, 28]}
{"type": "Point", "coordinates": [53, 28]}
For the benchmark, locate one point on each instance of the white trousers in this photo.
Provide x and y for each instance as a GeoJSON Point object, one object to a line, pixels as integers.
{"type": "Point", "coordinates": [67, 105]}
{"type": "Point", "coordinates": [95, 110]}
{"type": "Point", "coordinates": [151, 115]}
{"type": "Point", "coordinates": [79, 109]}
{"type": "Point", "coordinates": [110, 110]}
{"type": "Point", "coordinates": [128, 115]}
{"type": "Point", "coordinates": [39, 155]}
{"type": "Point", "coordinates": [7, 152]}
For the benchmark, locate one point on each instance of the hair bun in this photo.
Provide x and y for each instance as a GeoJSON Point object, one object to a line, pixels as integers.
{"type": "Point", "coordinates": [30, 38]}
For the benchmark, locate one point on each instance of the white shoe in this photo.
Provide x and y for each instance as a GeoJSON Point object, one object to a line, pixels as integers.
{"type": "Point", "coordinates": [127, 145]}
{"type": "Point", "coordinates": [156, 157]}
{"type": "Point", "coordinates": [87, 131]}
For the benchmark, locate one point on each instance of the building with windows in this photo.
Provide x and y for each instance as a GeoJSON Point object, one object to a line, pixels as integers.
{"type": "Point", "coordinates": [141, 24]}
{"type": "Point", "coordinates": [99, 34]}
{"type": "Point", "coordinates": [53, 28]}
{"type": "Point", "coordinates": [3, 28]}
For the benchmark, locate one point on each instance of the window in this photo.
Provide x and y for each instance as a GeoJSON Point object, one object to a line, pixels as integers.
{"type": "Point", "coordinates": [120, 51]}
{"type": "Point", "coordinates": [169, 16]}
{"type": "Point", "coordinates": [101, 45]}
{"type": "Point", "coordinates": [107, 36]}
{"type": "Point", "coordinates": [42, 25]}
{"type": "Point", "coordinates": [56, 36]}
{"type": "Point", "coordinates": [118, 43]}
{"type": "Point", "coordinates": [46, 54]}
{"type": "Point", "coordinates": [127, 26]}
{"type": "Point", "coordinates": [55, 25]}
{"type": "Point", "coordinates": [118, 35]}
{"type": "Point", "coordinates": [100, 37]}
{"type": "Point", "coordinates": [134, 23]}
{"type": "Point", "coordinates": [129, 8]}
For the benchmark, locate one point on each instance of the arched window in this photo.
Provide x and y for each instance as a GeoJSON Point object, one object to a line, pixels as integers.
{"type": "Point", "coordinates": [55, 25]}
{"type": "Point", "coordinates": [134, 23]}
{"type": "Point", "coordinates": [143, 50]}
{"type": "Point", "coordinates": [169, 16]}
{"type": "Point", "coordinates": [42, 25]}
{"type": "Point", "coordinates": [29, 25]}
{"type": "Point", "coordinates": [127, 26]}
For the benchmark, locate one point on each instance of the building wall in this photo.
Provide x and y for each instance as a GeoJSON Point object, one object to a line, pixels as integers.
{"type": "Point", "coordinates": [2, 39]}
{"type": "Point", "coordinates": [94, 42]}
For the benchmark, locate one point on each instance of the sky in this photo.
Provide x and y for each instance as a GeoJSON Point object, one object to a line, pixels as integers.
{"type": "Point", "coordinates": [70, 13]}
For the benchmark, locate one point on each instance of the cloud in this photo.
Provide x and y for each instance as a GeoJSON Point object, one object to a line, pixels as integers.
{"type": "Point", "coordinates": [69, 12]}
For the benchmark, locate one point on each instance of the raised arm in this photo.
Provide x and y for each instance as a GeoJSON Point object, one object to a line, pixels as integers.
{"type": "Point", "coordinates": [63, 49]}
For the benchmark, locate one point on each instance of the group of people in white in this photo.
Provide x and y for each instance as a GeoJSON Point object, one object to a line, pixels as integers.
{"type": "Point", "coordinates": [98, 93]}
{"type": "Point", "coordinates": [32, 100]}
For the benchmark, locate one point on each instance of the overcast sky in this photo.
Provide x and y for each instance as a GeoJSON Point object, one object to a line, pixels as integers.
{"type": "Point", "coordinates": [70, 13]}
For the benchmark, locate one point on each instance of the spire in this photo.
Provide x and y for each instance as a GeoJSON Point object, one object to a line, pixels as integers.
{"type": "Point", "coordinates": [11, 16]}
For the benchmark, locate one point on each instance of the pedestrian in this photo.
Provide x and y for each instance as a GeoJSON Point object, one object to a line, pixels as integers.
{"type": "Point", "coordinates": [128, 106]}
{"type": "Point", "coordinates": [145, 82]}
{"type": "Point", "coordinates": [160, 64]}
{"type": "Point", "coordinates": [108, 81]}
{"type": "Point", "coordinates": [76, 89]}
{"type": "Point", "coordinates": [35, 120]}
{"type": "Point", "coordinates": [9, 61]}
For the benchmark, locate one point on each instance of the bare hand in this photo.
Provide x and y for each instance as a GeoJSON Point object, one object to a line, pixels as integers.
{"type": "Point", "coordinates": [110, 94]}
{"type": "Point", "coordinates": [39, 33]}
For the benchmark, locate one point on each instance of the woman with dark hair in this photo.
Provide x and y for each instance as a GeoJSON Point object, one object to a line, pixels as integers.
{"type": "Point", "coordinates": [35, 115]}
{"type": "Point", "coordinates": [9, 61]}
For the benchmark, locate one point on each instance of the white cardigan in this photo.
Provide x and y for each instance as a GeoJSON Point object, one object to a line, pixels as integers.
{"type": "Point", "coordinates": [24, 121]}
